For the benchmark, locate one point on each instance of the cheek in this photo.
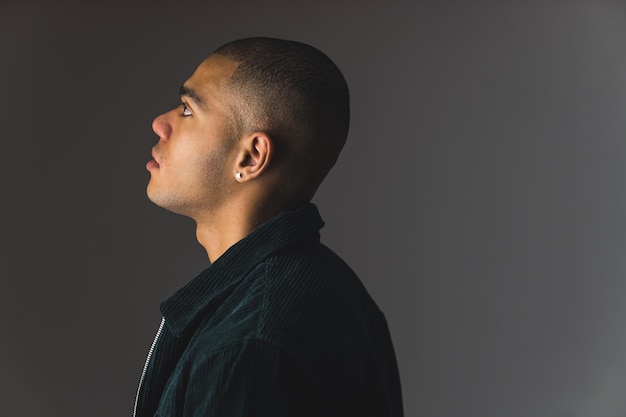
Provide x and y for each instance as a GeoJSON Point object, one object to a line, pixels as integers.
{"type": "Point", "coordinates": [213, 165]}
{"type": "Point", "coordinates": [201, 164]}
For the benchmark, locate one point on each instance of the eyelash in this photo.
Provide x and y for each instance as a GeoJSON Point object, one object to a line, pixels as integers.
{"type": "Point", "coordinates": [186, 111]}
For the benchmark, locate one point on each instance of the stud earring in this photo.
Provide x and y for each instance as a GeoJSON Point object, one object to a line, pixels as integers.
{"type": "Point", "coordinates": [238, 175]}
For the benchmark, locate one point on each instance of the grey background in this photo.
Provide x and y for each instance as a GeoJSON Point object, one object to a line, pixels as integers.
{"type": "Point", "coordinates": [481, 195]}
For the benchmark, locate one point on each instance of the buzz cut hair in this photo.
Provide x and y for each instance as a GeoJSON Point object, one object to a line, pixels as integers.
{"type": "Point", "coordinates": [293, 92]}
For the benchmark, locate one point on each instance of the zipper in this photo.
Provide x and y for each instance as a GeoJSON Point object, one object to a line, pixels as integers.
{"type": "Point", "coordinates": [145, 366]}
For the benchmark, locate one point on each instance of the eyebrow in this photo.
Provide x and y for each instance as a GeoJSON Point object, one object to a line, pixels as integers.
{"type": "Point", "coordinates": [190, 92]}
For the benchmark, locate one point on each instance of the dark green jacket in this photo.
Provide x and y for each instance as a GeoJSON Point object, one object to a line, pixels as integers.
{"type": "Point", "coordinates": [277, 326]}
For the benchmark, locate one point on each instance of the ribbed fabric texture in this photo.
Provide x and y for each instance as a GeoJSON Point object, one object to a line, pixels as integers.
{"type": "Point", "coordinates": [277, 326]}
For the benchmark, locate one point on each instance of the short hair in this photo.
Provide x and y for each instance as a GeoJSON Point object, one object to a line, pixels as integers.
{"type": "Point", "coordinates": [297, 95]}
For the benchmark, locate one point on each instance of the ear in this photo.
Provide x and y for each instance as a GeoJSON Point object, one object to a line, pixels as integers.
{"type": "Point", "coordinates": [254, 158]}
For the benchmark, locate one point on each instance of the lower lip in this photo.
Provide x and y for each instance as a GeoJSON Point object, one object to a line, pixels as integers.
{"type": "Point", "coordinates": [152, 164]}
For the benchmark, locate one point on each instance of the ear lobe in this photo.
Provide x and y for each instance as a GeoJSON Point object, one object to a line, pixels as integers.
{"type": "Point", "coordinates": [255, 157]}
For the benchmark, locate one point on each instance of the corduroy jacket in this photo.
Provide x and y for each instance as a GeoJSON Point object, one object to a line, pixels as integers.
{"type": "Point", "coordinates": [277, 326]}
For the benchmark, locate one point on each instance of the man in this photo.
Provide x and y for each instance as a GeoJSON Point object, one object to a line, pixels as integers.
{"type": "Point", "coordinates": [278, 325]}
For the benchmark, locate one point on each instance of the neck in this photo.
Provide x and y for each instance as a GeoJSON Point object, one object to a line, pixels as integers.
{"type": "Point", "coordinates": [218, 231]}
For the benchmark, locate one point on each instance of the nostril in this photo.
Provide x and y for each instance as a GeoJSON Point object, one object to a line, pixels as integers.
{"type": "Point", "coordinates": [161, 127]}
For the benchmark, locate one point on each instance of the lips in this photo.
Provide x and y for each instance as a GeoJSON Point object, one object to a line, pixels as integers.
{"type": "Point", "coordinates": [153, 163]}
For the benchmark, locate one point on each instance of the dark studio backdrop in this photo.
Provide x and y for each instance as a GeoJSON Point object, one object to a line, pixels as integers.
{"type": "Point", "coordinates": [481, 195]}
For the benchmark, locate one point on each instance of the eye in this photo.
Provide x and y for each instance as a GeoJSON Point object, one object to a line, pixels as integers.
{"type": "Point", "coordinates": [186, 111]}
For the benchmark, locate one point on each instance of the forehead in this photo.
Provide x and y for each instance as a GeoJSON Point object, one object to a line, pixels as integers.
{"type": "Point", "coordinates": [211, 74]}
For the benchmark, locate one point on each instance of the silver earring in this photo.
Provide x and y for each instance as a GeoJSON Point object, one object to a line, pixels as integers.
{"type": "Point", "coordinates": [238, 175]}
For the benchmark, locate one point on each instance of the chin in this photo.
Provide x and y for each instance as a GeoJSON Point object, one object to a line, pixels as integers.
{"type": "Point", "coordinates": [158, 198]}
{"type": "Point", "coordinates": [167, 201]}
{"type": "Point", "coordinates": [150, 192]}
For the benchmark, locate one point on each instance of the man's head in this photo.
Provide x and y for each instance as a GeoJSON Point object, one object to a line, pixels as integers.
{"type": "Point", "coordinates": [271, 111]}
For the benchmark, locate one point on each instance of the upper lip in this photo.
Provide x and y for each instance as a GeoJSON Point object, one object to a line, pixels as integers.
{"type": "Point", "coordinates": [154, 156]}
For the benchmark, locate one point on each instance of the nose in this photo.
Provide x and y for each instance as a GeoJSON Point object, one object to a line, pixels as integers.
{"type": "Point", "coordinates": [162, 127]}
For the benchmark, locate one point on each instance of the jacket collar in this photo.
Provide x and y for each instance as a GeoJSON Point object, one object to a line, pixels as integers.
{"type": "Point", "coordinates": [216, 282]}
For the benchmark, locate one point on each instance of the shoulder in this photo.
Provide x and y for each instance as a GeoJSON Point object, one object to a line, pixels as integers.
{"type": "Point", "coordinates": [303, 300]}
{"type": "Point", "coordinates": [313, 297]}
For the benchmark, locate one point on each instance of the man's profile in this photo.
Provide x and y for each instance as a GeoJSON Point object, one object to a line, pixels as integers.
{"type": "Point", "coordinates": [277, 325]}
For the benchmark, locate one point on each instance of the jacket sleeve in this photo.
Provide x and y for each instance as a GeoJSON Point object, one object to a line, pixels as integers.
{"type": "Point", "coordinates": [253, 378]}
